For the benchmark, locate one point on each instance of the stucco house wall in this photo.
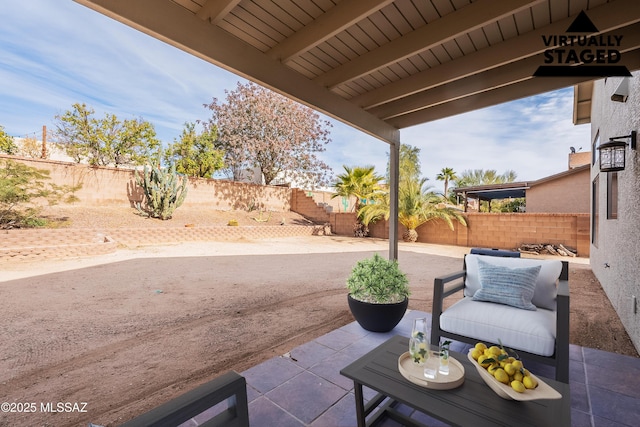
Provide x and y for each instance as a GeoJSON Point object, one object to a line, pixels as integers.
{"type": "Point", "coordinates": [566, 193]}
{"type": "Point", "coordinates": [615, 247]}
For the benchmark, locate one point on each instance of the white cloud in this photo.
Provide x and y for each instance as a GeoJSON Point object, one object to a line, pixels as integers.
{"type": "Point", "coordinates": [56, 53]}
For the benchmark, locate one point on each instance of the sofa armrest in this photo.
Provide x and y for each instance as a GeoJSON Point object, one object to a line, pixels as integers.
{"type": "Point", "coordinates": [440, 292]}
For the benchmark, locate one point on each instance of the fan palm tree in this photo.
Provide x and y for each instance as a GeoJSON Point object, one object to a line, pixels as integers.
{"type": "Point", "coordinates": [447, 175]}
{"type": "Point", "coordinates": [362, 183]}
{"type": "Point", "coordinates": [416, 206]}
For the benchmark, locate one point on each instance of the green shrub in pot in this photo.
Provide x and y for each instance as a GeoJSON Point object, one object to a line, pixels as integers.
{"type": "Point", "coordinates": [378, 280]}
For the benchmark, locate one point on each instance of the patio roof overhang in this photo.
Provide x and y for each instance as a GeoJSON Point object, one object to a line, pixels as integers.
{"type": "Point", "coordinates": [495, 191]}
{"type": "Point", "coordinates": [383, 65]}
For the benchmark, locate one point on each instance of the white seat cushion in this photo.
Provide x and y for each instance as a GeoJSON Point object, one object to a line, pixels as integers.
{"type": "Point", "coordinates": [531, 331]}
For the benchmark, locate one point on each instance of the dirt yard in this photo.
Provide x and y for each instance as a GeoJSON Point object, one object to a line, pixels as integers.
{"type": "Point", "coordinates": [125, 332]}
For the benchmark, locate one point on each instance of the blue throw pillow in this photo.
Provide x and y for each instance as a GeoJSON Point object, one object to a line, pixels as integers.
{"type": "Point", "coordinates": [504, 285]}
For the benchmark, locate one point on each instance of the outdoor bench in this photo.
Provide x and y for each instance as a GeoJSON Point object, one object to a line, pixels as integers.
{"type": "Point", "coordinates": [231, 387]}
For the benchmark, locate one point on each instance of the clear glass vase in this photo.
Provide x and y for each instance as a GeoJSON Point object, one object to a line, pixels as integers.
{"type": "Point", "coordinates": [419, 341]}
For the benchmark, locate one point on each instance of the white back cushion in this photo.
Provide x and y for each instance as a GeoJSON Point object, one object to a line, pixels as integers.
{"type": "Point", "coordinates": [546, 290]}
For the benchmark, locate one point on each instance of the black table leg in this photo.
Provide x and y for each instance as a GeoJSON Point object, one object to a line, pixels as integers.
{"type": "Point", "coordinates": [360, 415]}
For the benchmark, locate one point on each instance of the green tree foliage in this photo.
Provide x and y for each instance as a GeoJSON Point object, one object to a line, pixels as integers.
{"type": "Point", "coordinates": [164, 190]}
{"type": "Point", "coordinates": [7, 144]}
{"type": "Point", "coordinates": [417, 204]}
{"type": "Point", "coordinates": [260, 128]}
{"type": "Point", "coordinates": [470, 178]}
{"type": "Point", "coordinates": [475, 177]}
{"type": "Point", "coordinates": [447, 175]}
{"type": "Point", "coordinates": [408, 163]}
{"type": "Point", "coordinates": [105, 141]}
{"type": "Point", "coordinates": [23, 189]}
{"type": "Point", "coordinates": [362, 183]}
{"type": "Point", "coordinates": [195, 154]}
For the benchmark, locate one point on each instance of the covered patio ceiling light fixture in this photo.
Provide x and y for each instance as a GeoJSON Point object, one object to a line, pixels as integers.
{"type": "Point", "coordinates": [612, 153]}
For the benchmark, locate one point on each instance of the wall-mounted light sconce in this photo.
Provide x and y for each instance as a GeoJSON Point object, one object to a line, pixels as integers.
{"type": "Point", "coordinates": [612, 153]}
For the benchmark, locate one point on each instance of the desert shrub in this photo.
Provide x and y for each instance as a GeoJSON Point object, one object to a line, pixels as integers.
{"type": "Point", "coordinates": [23, 190]}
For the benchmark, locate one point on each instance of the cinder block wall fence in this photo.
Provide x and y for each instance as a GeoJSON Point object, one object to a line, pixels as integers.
{"type": "Point", "coordinates": [492, 230]}
{"type": "Point", "coordinates": [116, 187]}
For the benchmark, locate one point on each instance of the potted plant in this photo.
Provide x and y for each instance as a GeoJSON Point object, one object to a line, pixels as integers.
{"type": "Point", "coordinates": [378, 293]}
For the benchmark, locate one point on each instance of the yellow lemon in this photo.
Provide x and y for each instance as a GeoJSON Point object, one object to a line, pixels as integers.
{"type": "Point", "coordinates": [510, 369]}
{"type": "Point", "coordinates": [482, 361]}
{"type": "Point", "coordinates": [518, 386]}
{"type": "Point", "coordinates": [529, 382]}
{"type": "Point", "coordinates": [495, 350]}
{"type": "Point", "coordinates": [518, 376]}
{"type": "Point", "coordinates": [475, 353]}
{"type": "Point", "coordinates": [501, 376]}
{"type": "Point", "coordinates": [518, 364]}
{"type": "Point", "coordinates": [481, 346]}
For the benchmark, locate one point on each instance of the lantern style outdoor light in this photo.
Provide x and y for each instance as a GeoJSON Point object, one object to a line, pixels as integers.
{"type": "Point", "coordinates": [612, 153]}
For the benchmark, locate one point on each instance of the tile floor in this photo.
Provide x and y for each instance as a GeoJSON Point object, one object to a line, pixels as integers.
{"type": "Point", "coordinates": [305, 388]}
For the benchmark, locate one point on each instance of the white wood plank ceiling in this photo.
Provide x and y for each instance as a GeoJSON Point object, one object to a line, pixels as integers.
{"type": "Point", "coordinates": [382, 65]}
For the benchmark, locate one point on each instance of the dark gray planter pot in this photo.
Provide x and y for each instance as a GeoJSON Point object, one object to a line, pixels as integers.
{"type": "Point", "coordinates": [377, 317]}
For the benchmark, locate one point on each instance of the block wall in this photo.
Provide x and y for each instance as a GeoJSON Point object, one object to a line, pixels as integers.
{"type": "Point", "coordinates": [117, 187]}
{"type": "Point", "coordinates": [497, 230]}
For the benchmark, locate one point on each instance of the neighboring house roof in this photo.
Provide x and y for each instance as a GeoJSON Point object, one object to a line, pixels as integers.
{"type": "Point", "coordinates": [512, 189]}
{"type": "Point", "coordinates": [494, 191]}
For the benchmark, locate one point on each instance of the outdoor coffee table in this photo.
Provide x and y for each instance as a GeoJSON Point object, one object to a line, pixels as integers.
{"type": "Point", "coordinates": [471, 404]}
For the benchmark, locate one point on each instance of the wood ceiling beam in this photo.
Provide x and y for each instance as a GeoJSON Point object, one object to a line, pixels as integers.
{"type": "Point", "coordinates": [582, 94]}
{"type": "Point", "coordinates": [216, 10]}
{"type": "Point", "coordinates": [477, 83]}
{"type": "Point", "coordinates": [335, 20]}
{"type": "Point", "coordinates": [607, 17]}
{"type": "Point", "coordinates": [500, 95]}
{"type": "Point", "coordinates": [490, 79]}
{"type": "Point", "coordinates": [468, 18]}
{"type": "Point", "coordinates": [177, 26]}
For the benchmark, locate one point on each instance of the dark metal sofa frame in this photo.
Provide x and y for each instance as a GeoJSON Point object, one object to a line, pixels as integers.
{"type": "Point", "coordinates": [231, 387]}
{"type": "Point", "coordinates": [560, 358]}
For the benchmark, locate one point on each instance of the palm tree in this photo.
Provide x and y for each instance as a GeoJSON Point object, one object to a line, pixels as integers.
{"type": "Point", "coordinates": [446, 175]}
{"type": "Point", "coordinates": [470, 178]}
{"type": "Point", "coordinates": [416, 206]}
{"type": "Point", "coordinates": [362, 183]}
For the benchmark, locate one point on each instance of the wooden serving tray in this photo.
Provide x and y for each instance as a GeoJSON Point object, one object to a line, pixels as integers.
{"type": "Point", "coordinates": [543, 391]}
{"type": "Point", "coordinates": [415, 373]}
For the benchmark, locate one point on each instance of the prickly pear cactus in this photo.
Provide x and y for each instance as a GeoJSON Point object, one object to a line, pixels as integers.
{"type": "Point", "coordinates": [164, 191]}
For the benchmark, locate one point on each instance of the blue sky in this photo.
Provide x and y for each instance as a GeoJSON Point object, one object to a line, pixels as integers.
{"type": "Point", "coordinates": [56, 53]}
